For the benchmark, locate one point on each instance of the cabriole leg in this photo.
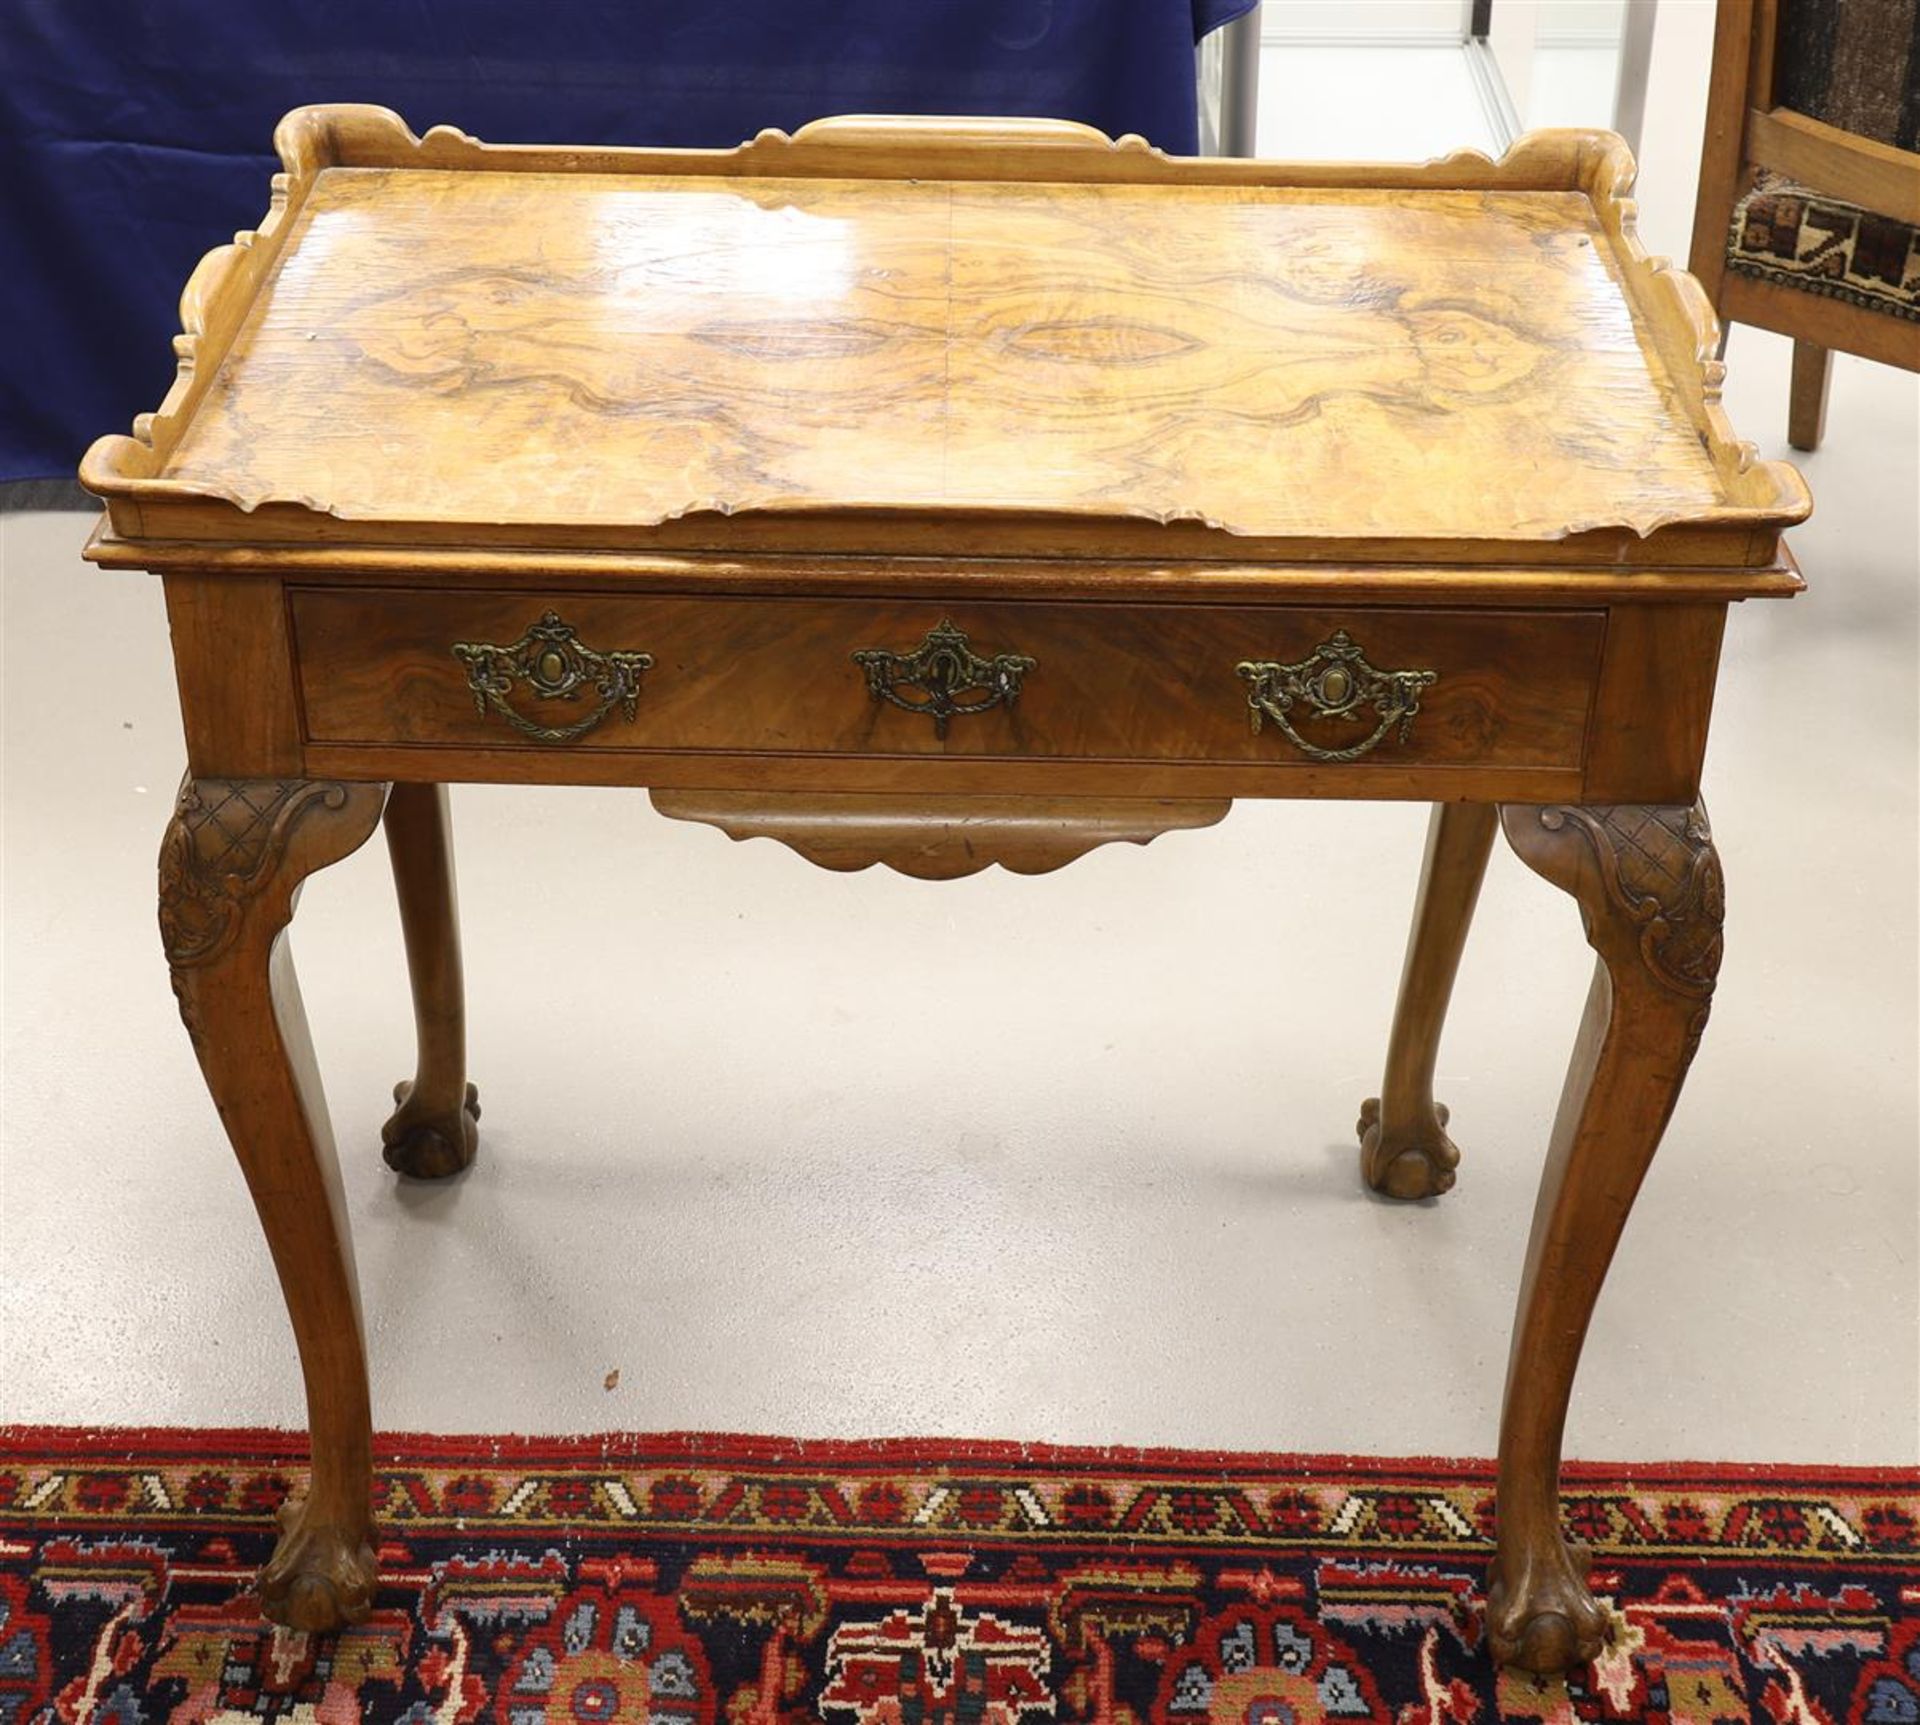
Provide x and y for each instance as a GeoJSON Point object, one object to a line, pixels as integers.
{"type": "Point", "coordinates": [230, 872]}
{"type": "Point", "coordinates": [435, 1130]}
{"type": "Point", "coordinates": [1650, 892]}
{"type": "Point", "coordinates": [1404, 1148]}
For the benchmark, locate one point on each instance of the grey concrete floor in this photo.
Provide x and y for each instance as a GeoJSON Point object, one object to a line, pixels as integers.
{"type": "Point", "coordinates": [1063, 1159]}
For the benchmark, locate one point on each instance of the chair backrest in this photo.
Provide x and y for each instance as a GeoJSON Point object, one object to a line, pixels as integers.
{"type": "Point", "coordinates": [1852, 64]}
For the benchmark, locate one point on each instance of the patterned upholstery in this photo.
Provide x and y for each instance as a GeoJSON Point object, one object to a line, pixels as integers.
{"type": "Point", "coordinates": [1785, 233]}
{"type": "Point", "coordinates": [1854, 64]}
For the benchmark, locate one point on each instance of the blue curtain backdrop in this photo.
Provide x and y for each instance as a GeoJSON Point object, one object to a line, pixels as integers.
{"type": "Point", "coordinates": [134, 134]}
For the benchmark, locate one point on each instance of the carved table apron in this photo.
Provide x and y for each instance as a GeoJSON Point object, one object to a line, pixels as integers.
{"type": "Point", "coordinates": [941, 494]}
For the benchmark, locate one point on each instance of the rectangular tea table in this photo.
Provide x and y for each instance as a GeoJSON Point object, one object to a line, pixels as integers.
{"type": "Point", "coordinates": [941, 493]}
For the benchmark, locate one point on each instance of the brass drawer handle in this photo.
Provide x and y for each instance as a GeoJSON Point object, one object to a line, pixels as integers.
{"type": "Point", "coordinates": [950, 676]}
{"type": "Point", "coordinates": [1334, 681]}
{"type": "Point", "coordinates": [551, 661]}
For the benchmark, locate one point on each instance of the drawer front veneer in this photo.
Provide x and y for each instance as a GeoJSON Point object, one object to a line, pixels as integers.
{"type": "Point", "coordinates": [1163, 683]}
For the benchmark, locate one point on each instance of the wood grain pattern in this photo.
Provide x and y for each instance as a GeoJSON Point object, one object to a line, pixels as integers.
{"type": "Point", "coordinates": [576, 346]}
{"type": "Point", "coordinates": [233, 663]}
{"type": "Point", "coordinates": [1653, 702]}
{"type": "Point", "coordinates": [1122, 682]}
{"type": "Point", "coordinates": [1283, 366]}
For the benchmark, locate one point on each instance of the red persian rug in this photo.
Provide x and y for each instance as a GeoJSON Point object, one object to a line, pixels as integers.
{"type": "Point", "coordinates": [750, 1581]}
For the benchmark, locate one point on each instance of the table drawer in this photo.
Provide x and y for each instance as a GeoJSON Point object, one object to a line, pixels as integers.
{"type": "Point", "coordinates": [1275, 685]}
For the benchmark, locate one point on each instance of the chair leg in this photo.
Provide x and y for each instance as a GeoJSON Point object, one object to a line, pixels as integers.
{"type": "Point", "coordinates": [1807, 397]}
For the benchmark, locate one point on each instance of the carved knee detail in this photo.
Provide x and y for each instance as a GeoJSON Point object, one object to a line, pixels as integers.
{"type": "Point", "coordinates": [234, 842]}
{"type": "Point", "coordinates": [1649, 885]}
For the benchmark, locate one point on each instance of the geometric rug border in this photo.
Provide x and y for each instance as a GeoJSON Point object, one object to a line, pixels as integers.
{"type": "Point", "coordinates": [735, 1487]}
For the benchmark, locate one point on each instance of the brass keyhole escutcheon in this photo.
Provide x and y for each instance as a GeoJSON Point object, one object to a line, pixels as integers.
{"type": "Point", "coordinates": [1334, 681]}
{"type": "Point", "coordinates": [556, 666]}
{"type": "Point", "coordinates": [943, 676]}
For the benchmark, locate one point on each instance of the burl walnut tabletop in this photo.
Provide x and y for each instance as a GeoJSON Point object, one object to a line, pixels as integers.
{"type": "Point", "coordinates": [942, 493]}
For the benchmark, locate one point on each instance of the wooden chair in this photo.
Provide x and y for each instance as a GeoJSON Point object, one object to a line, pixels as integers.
{"type": "Point", "coordinates": [1808, 219]}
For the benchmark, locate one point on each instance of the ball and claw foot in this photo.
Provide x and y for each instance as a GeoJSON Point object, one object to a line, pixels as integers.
{"type": "Point", "coordinates": [1414, 1162]}
{"type": "Point", "coordinates": [429, 1144]}
{"type": "Point", "coordinates": [1548, 1622]}
{"type": "Point", "coordinates": [320, 1577]}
